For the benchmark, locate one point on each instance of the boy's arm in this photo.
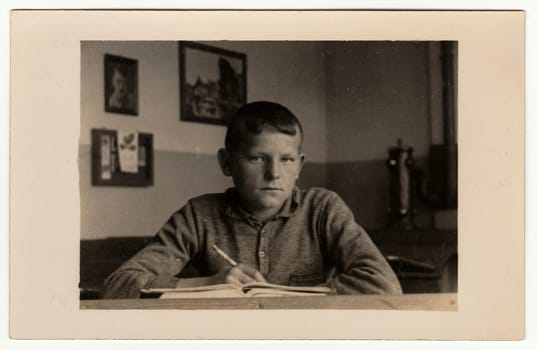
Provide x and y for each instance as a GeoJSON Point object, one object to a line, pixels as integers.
{"type": "Point", "coordinates": [361, 267]}
{"type": "Point", "coordinates": [156, 265]}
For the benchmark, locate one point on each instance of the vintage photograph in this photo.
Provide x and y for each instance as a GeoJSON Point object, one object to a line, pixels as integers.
{"type": "Point", "coordinates": [365, 179]}
{"type": "Point", "coordinates": [121, 85]}
{"type": "Point", "coordinates": [337, 177]}
{"type": "Point", "coordinates": [213, 82]}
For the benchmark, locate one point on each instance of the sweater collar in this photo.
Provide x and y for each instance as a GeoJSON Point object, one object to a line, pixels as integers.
{"type": "Point", "coordinates": [234, 209]}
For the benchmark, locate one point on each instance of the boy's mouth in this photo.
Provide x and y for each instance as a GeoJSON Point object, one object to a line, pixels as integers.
{"type": "Point", "coordinates": [271, 189]}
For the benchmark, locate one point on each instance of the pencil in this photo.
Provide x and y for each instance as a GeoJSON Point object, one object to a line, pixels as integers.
{"type": "Point", "coordinates": [225, 256]}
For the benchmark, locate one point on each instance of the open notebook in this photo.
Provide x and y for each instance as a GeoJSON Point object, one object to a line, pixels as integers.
{"type": "Point", "coordinates": [252, 289]}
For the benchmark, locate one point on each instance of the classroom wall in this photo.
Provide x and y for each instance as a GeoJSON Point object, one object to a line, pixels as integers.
{"type": "Point", "coordinates": [355, 99]}
{"type": "Point", "coordinates": [377, 92]}
{"type": "Point", "coordinates": [185, 164]}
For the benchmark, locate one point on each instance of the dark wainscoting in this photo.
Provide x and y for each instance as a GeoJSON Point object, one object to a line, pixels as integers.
{"type": "Point", "coordinates": [100, 257]}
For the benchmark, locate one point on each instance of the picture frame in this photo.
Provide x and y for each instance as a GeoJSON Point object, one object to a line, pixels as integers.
{"type": "Point", "coordinates": [105, 169]}
{"type": "Point", "coordinates": [212, 82]}
{"type": "Point", "coordinates": [120, 85]}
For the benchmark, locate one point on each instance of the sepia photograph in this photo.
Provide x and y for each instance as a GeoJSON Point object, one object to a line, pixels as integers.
{"type": "Point", "coordinates": [338, 175]}
{"type": "Point", "coordinates": [337, 178]}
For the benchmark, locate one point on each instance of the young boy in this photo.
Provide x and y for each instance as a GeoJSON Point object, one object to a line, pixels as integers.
{"type": "Point", "coordinates": [275, 231]}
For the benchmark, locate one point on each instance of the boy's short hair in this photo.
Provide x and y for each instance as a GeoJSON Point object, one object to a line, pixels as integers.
{"type": "Point", "coordinates": [255, 117]}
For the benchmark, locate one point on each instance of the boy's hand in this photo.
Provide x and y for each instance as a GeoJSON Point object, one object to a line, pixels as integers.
{"type": "Point", "coordinates": [238, 275]}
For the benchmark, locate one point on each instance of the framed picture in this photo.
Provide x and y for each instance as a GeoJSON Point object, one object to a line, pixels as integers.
{"type": "Point", "coordinates": [213, 82]}
{"type": "Point", "coordinates": [120, 85]}
{"type": "Point", "coordinates": [108, 148]}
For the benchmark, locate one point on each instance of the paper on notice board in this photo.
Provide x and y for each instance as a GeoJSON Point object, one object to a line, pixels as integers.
{"type": "Point", "coordinates": [106, 173]}
{"type": "Point", "coordinates": [128, 151]}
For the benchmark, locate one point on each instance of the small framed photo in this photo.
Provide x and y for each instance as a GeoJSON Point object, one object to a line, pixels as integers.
{"type": "Point", "coordinates": [213, 82]}
{"type": "Point", "coordinates": [120, 85]}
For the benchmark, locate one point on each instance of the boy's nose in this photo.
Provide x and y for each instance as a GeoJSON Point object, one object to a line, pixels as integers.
{"type": "Point", "coordinates": [273, 170]}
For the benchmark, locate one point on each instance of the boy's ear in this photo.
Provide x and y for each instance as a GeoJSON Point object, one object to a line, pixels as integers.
{"type": "Point", "coordinates": [225, 161]}
{"type": "Point", "coordinates": [302, 159]}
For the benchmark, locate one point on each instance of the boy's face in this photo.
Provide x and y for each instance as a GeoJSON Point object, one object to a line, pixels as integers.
{"type": "Point", "coordinates": [264, 171]}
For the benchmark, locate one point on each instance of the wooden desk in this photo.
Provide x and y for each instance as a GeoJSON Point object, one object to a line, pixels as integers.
{"type": "Point", "coordinates": [439, 302]}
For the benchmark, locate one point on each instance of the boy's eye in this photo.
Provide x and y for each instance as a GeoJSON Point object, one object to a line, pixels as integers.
{"type": "Point", "coordinates": [288, 160]}
{"type": "Point", "coordinates": [255, 159]}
